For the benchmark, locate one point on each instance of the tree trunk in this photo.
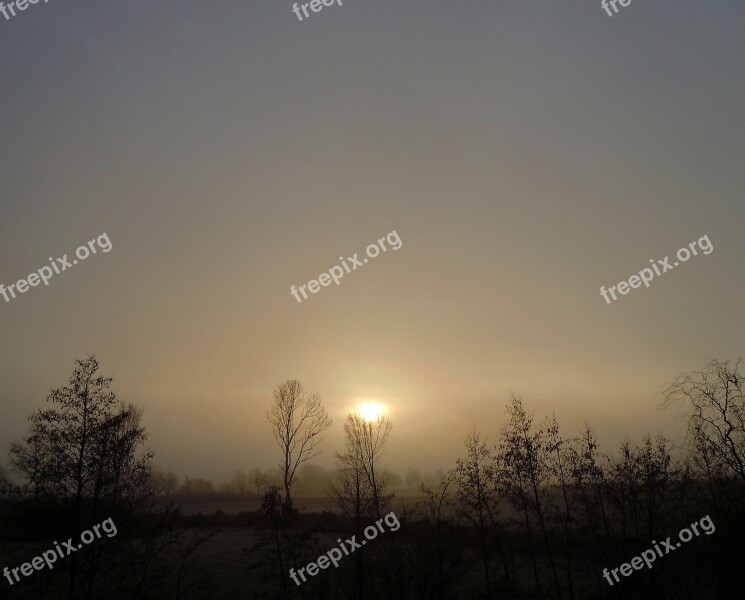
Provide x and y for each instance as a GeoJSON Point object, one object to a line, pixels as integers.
{"type": "Point", "coordinates": [542, 523]}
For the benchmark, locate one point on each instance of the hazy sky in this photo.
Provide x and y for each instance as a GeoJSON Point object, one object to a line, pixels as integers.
{"type": "Point", "coordinates": [526, 153]}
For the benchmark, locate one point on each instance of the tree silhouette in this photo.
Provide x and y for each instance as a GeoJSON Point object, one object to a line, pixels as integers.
{"type": "Point", "coordinates": [716, 415]}
{"type": "Point", "coordinates": [89, 448]}
{"type": "Point", "coordinates": [298, 419]}
{"type": "Point", "coordinates": [86, 454]}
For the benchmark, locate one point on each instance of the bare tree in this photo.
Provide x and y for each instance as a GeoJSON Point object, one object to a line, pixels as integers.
{"type": "Point", "coordinates": [362, 483]}
{"type": "Point", "coordinates": [522, 473]}
{"type": "Point", "coordinates": [360, 489]}
{"type": "Point", "coordinates": [558, 457]}
{"type": "Point", "coordinates": [368, 438]}
{"type": "Point", "coordinates": [716, 419]}
{"type": "Point", "coordinates": [477, 499]}
{"type": "Point", "coordinates": [435, 561]}
{"type": "Point", "coordinates": [589, 490]}
{"type": "Point", "coordinates": [298, 419]}
{"type": "Point", "coordinates": [351, 491]}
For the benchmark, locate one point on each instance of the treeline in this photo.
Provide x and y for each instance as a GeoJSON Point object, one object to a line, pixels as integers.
{"type": "Point", "coordinates": [535, 514]}
{"type": "Point", "coordinates": [312, 481]}
{"type": "Point", "coordinates": [539, 514]}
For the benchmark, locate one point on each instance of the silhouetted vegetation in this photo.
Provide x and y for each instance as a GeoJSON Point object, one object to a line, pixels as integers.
{"type": "Point", "coordinates": [540, 515]}
{"type": "Point", "coordinates": [82, 462]}
{"type": "Point", "coordinates": [535, 514]}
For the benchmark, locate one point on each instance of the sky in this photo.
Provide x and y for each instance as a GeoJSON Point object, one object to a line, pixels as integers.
{"type": "Point", "coordinates": [526, 153]}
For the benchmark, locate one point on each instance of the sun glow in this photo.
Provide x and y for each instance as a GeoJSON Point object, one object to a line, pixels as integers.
{"type": "Point", "coordinates": [370, 411]}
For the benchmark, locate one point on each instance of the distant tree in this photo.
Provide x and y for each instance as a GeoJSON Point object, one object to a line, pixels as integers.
{"type": "Point", "coordinates": [313, 480]}
{"type": "Point", "coordinates": [193, 486]}
{"type": "Point", "coordinates": [274, 476]}
{"type": "Point", "coordinates": [394, 480]}
{"type": "Point", "coordinates": [432, 479]}
{"type": "Point", "coordinates": [240, 483]}
{"type": "Point", "coordinates": [258, 480]}
{"type": "Point", "coordinates": [164, 483]}
{"type": "Point", "coordinates": [413, 477]}
{"type": "Point", "coordinates": [298, 420]}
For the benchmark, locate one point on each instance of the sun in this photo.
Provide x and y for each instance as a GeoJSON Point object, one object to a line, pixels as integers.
{"type": "Point", "coordinates": [370, 411]}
